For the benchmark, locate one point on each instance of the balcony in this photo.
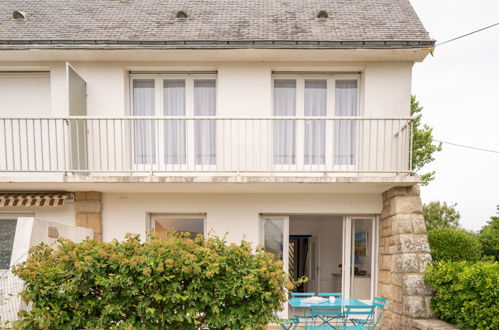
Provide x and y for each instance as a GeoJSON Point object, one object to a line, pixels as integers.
{"type": "Point", "coordinates": [207, 146]}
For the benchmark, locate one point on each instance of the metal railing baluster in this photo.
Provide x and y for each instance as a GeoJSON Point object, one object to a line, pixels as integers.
{"type": "Point", "coordinates": [222, 144]}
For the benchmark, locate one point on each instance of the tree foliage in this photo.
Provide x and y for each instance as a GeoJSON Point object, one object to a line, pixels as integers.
{"type": "Point", "coordinates": [423, 148]}
{"type": "Point", "coordinates": [438, 215]}
{"type": "Point", "coordinates": [452, 244]}
{"type": "Point", "coordinates": [176, 283]}
{"type": "Point", "coordinates": [489, 237]}
{"type": "Point", "coordinates": [466, 293]}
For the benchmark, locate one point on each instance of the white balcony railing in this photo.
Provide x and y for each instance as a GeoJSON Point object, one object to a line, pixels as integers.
{"type": "Point", "coordinates": [176, 145]}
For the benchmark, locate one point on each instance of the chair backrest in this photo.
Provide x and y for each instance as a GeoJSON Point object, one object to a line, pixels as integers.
{"type": "Point", "coordinates": [380, 303]}
{"type": "Point", "coordinates": [331, 294]}
{"type": "Point", "coordinates": [359, 312]}
{"type": "Point", "coordinates": [316, 310]}
{"type": "Point", "coordinates": [302, 294]}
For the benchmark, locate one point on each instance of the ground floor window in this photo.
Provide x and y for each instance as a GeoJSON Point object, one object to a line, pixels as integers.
{"type": "Point", "coordinates": [7, 234]}
{"type": "Point", "coordinates": [8, 225]}
{"type": "Point", "coordinates": [189, 223]}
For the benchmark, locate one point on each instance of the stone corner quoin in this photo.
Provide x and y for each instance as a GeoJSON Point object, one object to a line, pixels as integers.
{"type": "Point", "coordinates": [404, 253]}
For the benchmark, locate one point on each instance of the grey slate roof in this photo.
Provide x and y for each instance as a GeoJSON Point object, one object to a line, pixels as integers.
{"type": "Point", "coordinates": [213, 22]}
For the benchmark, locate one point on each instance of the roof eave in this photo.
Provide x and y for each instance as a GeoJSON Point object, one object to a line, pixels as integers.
{"type": "Point", "coordinates": [214, 44]}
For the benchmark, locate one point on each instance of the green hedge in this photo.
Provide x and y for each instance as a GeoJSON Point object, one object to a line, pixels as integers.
{"type": "Point", "coordinates": [450, 244]}
{"type": "Point", "coordinates": [466, 293]}
{"type": "Point", "coordinates": [177, 283]}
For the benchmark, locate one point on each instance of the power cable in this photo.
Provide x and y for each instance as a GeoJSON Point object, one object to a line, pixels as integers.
{"type": "Point", "coordinates": [467, 34]}
{"type": "Point", "coordinates": [469, 147]}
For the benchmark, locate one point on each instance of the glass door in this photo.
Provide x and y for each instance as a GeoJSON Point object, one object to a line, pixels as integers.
{"type": "Point", "coordinates": [359, 258]}
{"type": "Point", "coordinates": [274, 236]}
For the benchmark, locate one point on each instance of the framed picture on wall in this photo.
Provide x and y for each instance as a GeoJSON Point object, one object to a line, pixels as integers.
{"type": "Point", "coordinates": [361, 243]}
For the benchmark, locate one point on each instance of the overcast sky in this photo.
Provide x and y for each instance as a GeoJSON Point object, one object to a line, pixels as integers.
{"type": "Point", "coordinates": [459, 89]}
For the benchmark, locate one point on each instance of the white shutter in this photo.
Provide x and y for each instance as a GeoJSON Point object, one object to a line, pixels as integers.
{"type": "Point", "coordinates": [24, 143]}
{"type": "Point", "coordinates": [25, 94]}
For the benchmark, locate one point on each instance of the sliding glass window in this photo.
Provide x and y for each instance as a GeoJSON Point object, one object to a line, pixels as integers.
{"type": "Point", "coordinates": [345, 130]}
{"type": "Point", "coordinates": [205, 105]}
{"type": "Point", "coordinates": [284, 130]}
{"type": "Point", "coordinates": [175, 130]}
{"type": "Point", "coordinates": [315, 130]}
{"type": "Point", "coordinates": [174, 143]}
{"type": "Point", "coordinates": [144, 133]}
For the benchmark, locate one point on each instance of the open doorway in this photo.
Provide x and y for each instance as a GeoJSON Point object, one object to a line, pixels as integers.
{"type": "Point", "coordinates": [336, 252]}
{"type": "Point", "coordinates": [316, 251]}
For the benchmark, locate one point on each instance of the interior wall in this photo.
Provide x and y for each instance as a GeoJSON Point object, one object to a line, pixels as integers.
{"type": "Point", "coordinates": [328, 228]}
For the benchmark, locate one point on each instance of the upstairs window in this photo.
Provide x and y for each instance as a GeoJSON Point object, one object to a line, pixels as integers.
{"type": "Point", "coordinates": [169, 142]}
{"type": "Point", "coordinates": [309, 142]}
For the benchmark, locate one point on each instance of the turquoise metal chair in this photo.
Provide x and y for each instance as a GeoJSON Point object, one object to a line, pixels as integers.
{"type": "Point", "coordinates": [372, 321]}
{"type": "Point", "coordinates": [302, 294]}
{"type": "Point", "coordinates": [326, 316]}
{"type": "Point", "coordinates": [360, 313]}
{"type": "Point", "coordinates": [289, 324]}
{"type": "Point", "coordinates": [331, 294]}
{"type": "Point", "coordinates": [306, 317]}
{"type": "Point", "coordinates": [319, 327]}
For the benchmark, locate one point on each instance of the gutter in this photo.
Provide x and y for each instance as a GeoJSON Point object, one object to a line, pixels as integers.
{"type": "Point", "coordinates": [214, 44]}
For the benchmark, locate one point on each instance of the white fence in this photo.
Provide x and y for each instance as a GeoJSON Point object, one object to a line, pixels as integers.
{"type": "Point", "coordinates": [205, 144]}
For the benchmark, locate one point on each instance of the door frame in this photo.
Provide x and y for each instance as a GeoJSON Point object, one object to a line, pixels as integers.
{"type": "Point", "coordinates": [261, 232]}
{"type": "Point", "coordinates": [285, 246]}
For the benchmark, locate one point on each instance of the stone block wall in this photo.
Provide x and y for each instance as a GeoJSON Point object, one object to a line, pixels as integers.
{"type": "Point", "coordinates": [403, 255]}
{"type": "Point", "coordinates": [88, 210]}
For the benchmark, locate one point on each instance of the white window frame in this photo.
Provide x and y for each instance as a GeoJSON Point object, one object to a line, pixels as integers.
{"type": "Point", "coordinates": [152, 216]}
{"type": "Point", "coordinates": [331, 79]}
{"type": "Point", "coordinates": [189, 78]}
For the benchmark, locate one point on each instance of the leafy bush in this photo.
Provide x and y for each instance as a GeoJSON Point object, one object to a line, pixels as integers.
{"type": "Point", "coordinates": [450, 244]}
{"type": "Point", "coordinates": [176, 283]}
{"type": "Point", "coordinates": [489, 238]}
{"type": "Point", "coordinates": [466, 293]}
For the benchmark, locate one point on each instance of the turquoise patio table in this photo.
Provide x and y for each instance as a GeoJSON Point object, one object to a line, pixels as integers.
{"type": "Point", "coordinates": [339, 303]}
{"type": "Point", "coordinates": [297, 302]}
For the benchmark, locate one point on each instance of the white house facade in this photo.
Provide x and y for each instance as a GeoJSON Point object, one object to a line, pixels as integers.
{"type": "Point", "coordinates": [287, 125]}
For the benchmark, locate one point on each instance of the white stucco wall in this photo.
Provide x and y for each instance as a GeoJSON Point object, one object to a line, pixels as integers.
{"type": "Point", "coordinates": [244, 88]}
{"type": "Point", "coordinates": [234, 214]}
{"type": "Point", "coordinates": [61, 214]}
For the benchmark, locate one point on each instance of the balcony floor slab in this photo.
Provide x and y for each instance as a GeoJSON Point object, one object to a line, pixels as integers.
{"type": "Point", "coordinates": [206, 183]}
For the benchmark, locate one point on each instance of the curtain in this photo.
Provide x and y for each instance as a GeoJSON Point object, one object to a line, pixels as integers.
{"type": "Point", "coordinates": [144, 130]}
{"type": "Point", "coordinates": [345, 130]}
{"type": "Point", "coordinates": [284, 130]}
{"type": "Point", "coordinates": [175, 130]}
{"type": "Point", "coordinates": [205, 130]}
{"type": "Point", "coordinates": [315, 130]}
